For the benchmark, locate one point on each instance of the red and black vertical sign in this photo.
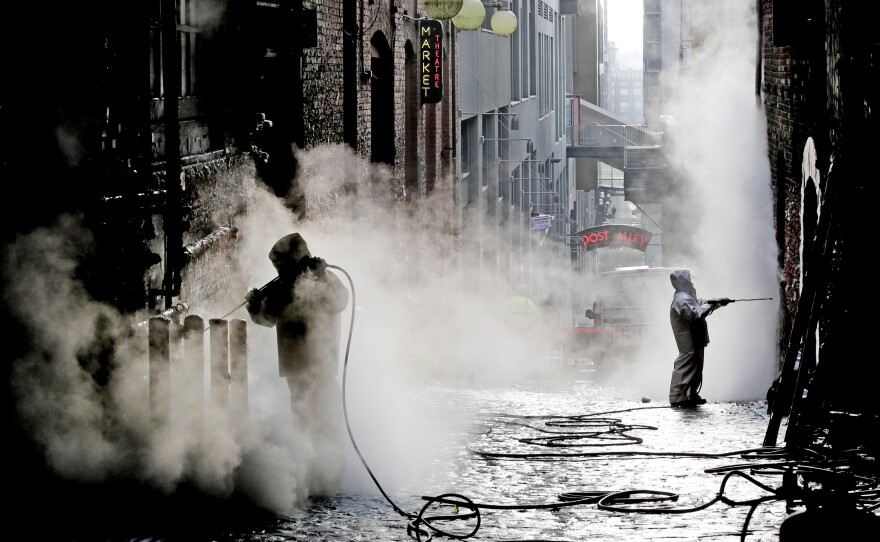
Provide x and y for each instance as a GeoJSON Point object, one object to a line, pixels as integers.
{"type": "Point", "coordinates": [430, 61]}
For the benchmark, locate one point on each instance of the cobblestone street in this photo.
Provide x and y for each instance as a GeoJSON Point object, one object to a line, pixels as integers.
{"type": "Point", "coordinates": [561, 456]}
{"type": "Point", "coordinates": [536, 458]}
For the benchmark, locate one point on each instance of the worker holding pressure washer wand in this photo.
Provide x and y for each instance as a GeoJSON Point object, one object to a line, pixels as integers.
{"type": "Point", "coordinates": [304, 304]}
{"type": "Point", "coordinates": [687, 314]}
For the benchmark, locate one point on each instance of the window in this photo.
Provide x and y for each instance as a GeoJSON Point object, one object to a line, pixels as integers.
{"type": "Point", "coordinates": [516, 61]}
{"type": "Point", "coordinates": [189, 44]}
{"type": "Point", "coordinates": [652, 28]}
{"type": "Point", "coordinates": [532, 48]}
{"type": "Point", "coordinates": [652, 57]}
{"type": "Point", "coordinates": [466, 147]}
{"type": "Point", "coordinates": [799, 23]}
{"type": "Point", "coordinates": [188, 36]}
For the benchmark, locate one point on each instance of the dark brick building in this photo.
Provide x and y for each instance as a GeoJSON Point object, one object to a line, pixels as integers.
{"type": "Point", "coordinates": [133, 136]}
{"type": "Point", "coordinates": [817, 81]}
{"type": "Point", "coordinates": [91, 109]}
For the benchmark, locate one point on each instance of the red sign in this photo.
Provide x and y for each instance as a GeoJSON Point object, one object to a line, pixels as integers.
{"type": "Point", "coordinates": [431, 61]}
{"type": "Point", "coordinates": [615, 236]}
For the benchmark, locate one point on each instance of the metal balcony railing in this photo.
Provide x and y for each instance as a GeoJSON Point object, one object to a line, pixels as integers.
{"type": "Point", "coordinates": [614, 135]}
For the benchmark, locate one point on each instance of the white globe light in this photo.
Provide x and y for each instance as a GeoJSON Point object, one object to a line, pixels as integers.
{"type": "Point", "coordinates": [471, 16]}
{"type": "Point", "coordinates": [503, 22]}
{"type": "Point", "coordinates": [443, 9]}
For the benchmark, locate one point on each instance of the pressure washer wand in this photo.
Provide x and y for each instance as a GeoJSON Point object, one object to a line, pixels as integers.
{"type": "Point", "coordinates": [720, 301]}
{"type": "Point", "coordinates": [243, 303]}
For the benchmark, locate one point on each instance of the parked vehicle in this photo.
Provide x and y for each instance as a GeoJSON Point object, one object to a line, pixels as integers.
{"type": "Point", "coordinates": [622, 308]}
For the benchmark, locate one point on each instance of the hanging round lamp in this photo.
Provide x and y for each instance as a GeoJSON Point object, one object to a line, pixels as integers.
{"type": "Point", "coordinates": [471, 16]}
{"type": "Point", "coordinates": [503, 22]}
{"type": "Point", "coordinates": [443, 9]}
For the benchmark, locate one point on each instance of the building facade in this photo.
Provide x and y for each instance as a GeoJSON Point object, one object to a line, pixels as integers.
{"type": "Point", "coordinates": [625, 94]}
{"type": "Point", "coordinates": [114, 103]}
{"type": "Point", "coordinates": [817, 84]}
{"type": "Point", "coordinates": [668, 44]}
{"type": "Point", "coordinates": [515, 196]}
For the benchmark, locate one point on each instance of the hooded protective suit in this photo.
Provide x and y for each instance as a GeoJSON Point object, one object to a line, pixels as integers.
{"type": "Point", "coordinates": [687, 314]}
{"type": "Point", "coordinates": [304, 305]}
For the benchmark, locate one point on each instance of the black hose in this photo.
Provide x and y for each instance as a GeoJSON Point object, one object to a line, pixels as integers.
{"type": "Point", "coordinates": [422, 527]}
{"type": "Point", "coordinates": [344, 403]}
{"type": "Point", "coordinates": [416, 521]}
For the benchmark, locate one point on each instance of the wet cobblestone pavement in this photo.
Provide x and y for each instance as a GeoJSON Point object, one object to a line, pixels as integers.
{"type": "Point", "coordinates": [521, 454]}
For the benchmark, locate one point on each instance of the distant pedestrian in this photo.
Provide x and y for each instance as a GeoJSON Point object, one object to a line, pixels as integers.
{"type": "Point", "coordinates": [304, 305]}
{"type": "Point", "coordinates": [521, 310]}
{"type": "Point", "coordinates": [687, 314]}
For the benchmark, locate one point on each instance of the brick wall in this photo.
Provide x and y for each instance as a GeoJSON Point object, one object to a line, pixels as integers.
{"type": "Point", "coordinates": [794, 102]}
{"type": "Point", "coordinates": [219, 189]}
{"type": "Point", "coordinates": [819, 64]}
{"type": "Point", "coordinates": [322, 77]}
{"type": "Point", "coordinates": [324, 72]}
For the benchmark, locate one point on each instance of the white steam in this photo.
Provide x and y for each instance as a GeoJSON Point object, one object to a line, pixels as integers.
{"type": "Point", "coordinates": [416, 322]}
{"type": "Point", "coordinates": [721, 149]}
{"type": "Point", "coordinates": [419, 318]}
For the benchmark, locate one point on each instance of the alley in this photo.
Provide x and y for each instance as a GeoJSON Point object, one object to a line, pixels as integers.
{"type": "Point", "coordinates": [535, 455]}
{"type": "Point", "coordinates": [608, 440]}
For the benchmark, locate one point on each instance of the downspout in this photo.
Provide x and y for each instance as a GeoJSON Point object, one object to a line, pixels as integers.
{"type": "Point", "coordinates": [361, 39]}
{"type": "Point", "coordinates": [759, 48]}
{"type": "Point", "coordinates": [171, 93]}
{"type": "Point", "coordinates": [456, 123]}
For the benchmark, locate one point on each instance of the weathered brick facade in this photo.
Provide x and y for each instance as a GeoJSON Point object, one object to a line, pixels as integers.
{"type": "Point", "coordinates": [819, 66]}
{"type": "Point", "coordinates": [393, 23]}
{"type": "Point", "coordinates": [793, 92]}
{"type": "Point", "coordinates": [318, 83]}
{"type": "Point", "coordinates": [322, 75]}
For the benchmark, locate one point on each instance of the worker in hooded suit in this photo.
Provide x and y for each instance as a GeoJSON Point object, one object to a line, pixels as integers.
{"type": "Point", "coordinates": [687, 314]}
{"type": "Point", "coordinates": [304, 304]}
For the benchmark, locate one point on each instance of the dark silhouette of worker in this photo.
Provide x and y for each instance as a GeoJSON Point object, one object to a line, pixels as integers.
{"type": "Point", "coordinates": [304, 304]}
{"type": "Point", "coordinates": [687, 314]}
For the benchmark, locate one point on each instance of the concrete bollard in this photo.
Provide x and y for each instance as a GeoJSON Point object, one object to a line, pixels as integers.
{"type": "Point", "coordinates": [185, 385]}
{"type": "Point", "coordinates": [160, 369]}
{"type": "Point", "coordinates": [219, 353]}
{"type": "Point", "coordinates": [193, 366]}
{"type": "Point", "coordinates": [238, 367]}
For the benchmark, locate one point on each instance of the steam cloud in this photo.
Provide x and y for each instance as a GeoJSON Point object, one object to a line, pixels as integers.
{"type": "Point", "coordinates": [416, 322]}
{"type": "Point", "coordinates": [725, 206]}
{"type": "Point", "coordinates": [419, 317]}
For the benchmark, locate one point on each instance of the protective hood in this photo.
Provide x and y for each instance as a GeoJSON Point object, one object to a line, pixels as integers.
{"type": "Point", "coordinates": [289, 250]}
{"type": "Point", "coordinates": [681, 280]}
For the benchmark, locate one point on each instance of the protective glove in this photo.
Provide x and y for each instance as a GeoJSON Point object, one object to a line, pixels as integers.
{"type": "Point", "coordinates": [254, 295]}
{"type": "Point", "coordinates": [254, 299]}
{"type": "Point", "coordinates": [317, 265]}
{"type": "Point", "coordinates": [723, 301]}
